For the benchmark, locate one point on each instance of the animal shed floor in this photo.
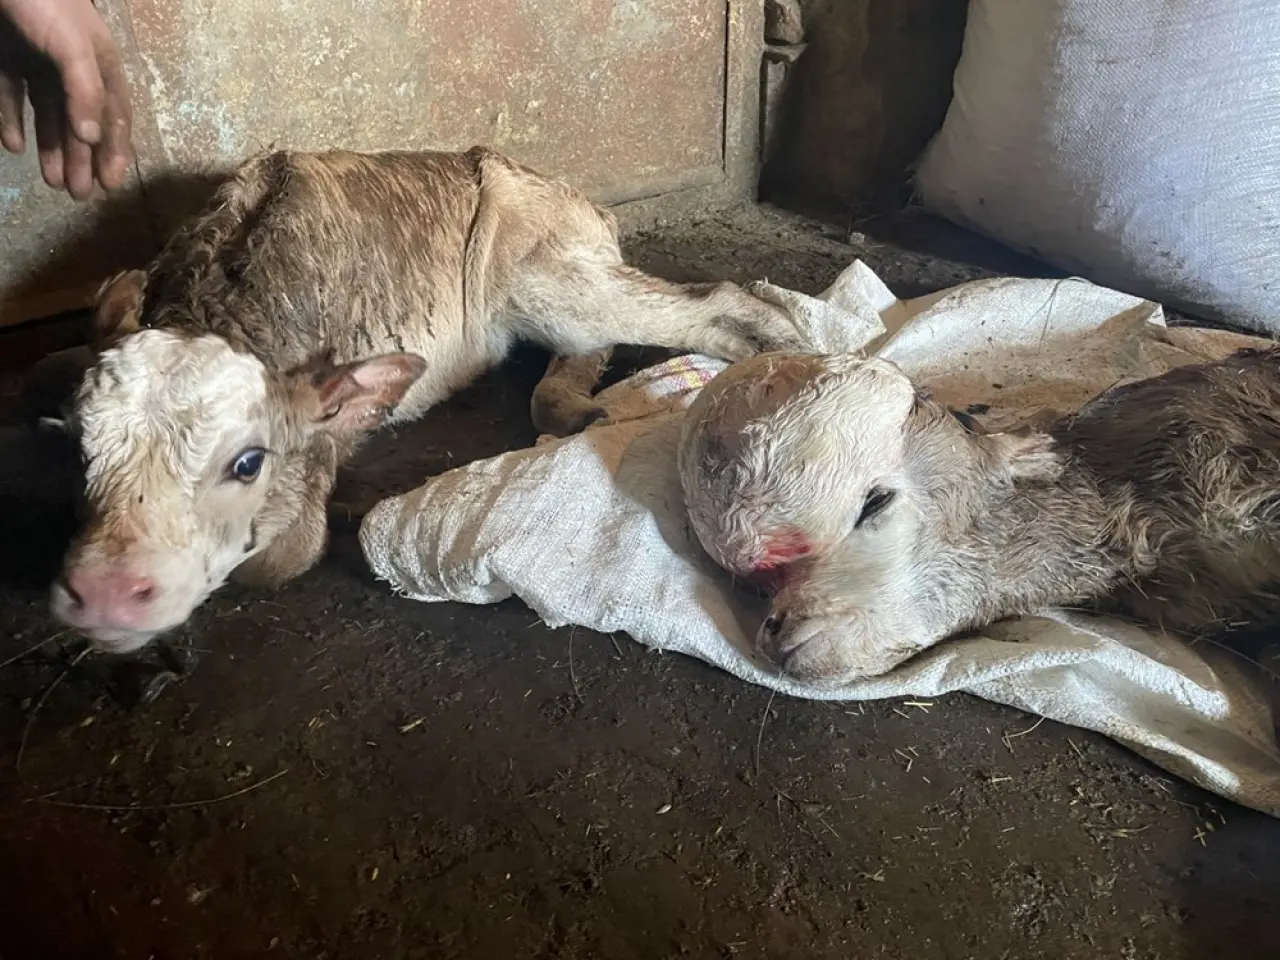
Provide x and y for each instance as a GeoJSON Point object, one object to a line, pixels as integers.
{"type": "Point", "coordinates": [349, 775]}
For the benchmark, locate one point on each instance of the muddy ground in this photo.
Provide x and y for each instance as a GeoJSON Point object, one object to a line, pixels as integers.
{"type": "Point", "coordinates": [348, 775]}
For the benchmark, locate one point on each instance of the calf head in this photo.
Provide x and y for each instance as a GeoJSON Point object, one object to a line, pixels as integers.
{"type": "Point", "coordinates": [853, 498]}
{"type": "Point", "coordinates": [197, 457]}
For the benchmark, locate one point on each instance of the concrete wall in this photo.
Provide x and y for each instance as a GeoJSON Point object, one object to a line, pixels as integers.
{"type": "Point", "coordinates": [870, 89]}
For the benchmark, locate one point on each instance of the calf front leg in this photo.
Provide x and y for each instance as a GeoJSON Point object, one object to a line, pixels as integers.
{"type": "Point", "coordinates": [576, 306]}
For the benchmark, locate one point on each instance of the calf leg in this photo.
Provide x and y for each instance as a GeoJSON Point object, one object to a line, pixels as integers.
{"type": "Point", "coordinates": [576, 305]}
{"type": "Point", "coordinates": [564, 400]}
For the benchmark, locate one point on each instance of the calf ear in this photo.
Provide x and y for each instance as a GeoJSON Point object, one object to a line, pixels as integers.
{"type": "Point", "coordinates": [357, 397]}
{"type": "Point", "coordinates": [1026, 455]}
{"type": "Point", "coordinates": [117, 309]}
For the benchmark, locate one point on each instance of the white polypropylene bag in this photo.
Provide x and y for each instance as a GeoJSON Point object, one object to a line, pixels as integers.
{"type": "Point", "coordinates": [1133, 142]}
{"type": "Point", "coordinates": [591, 530]}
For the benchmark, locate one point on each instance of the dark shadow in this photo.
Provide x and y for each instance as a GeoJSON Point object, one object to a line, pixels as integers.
{"type": "Point", "coordinates": [33, 540]}
{"type": "Point", "coordinates": [923, 233]}
{"type": "Point", "coordinates": [40, 477]}
{"type": "Point", "coordinates": [40, 472]}
{"type": "Point", "coordinates": [1229, 886]}
{"type": "Point", "coordinates": [122, 232]}
{"type": "Point", "coordinates": [172, 199]}
{"type": "Point", "coordinates": [864, 98]}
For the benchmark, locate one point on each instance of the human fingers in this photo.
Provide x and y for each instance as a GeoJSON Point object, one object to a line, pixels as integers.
{"type": "Point", "coordinates": [13, 95]}
{"type": "Point", "coordinates": [46, 104]}
{"type": "Point", "coordinates": [114, 152]}
{"type": "Point", "coordinates": [77, 165]}
{"type": "Point", "coordinates": [70, 43]}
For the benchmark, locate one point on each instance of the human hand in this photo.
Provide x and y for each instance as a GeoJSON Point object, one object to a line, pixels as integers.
{"type": "Point", "coordinates": [60, 55]}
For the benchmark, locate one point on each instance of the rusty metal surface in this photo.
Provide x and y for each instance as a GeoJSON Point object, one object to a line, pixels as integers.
{"type": "Point", "coordinates": [607, 93]}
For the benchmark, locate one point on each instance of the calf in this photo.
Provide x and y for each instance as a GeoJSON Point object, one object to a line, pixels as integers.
{"type": "Point", "coordinates": [884, 523]}
{"type": "Point", "coordinates": [319, 297]}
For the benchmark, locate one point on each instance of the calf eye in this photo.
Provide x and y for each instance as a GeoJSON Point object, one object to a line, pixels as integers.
{"type": "Point", "coordinates": [877, 499]}
{"type": "Point", "coordinates": [966, 421]}
{"type": "Point", "coordinates": [248, 465]}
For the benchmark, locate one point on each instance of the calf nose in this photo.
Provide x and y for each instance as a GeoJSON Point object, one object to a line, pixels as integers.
{"type": "Point", "coordinates": [112, 599]}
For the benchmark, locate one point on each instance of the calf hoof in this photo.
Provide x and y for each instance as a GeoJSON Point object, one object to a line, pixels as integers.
{"type": "Point", "coordinates": [566, 418]}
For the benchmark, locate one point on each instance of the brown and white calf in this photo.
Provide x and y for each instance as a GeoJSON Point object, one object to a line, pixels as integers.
{"type": "Point", "coordinates": [884, 523]}
{"type": "Point", "coordinates": [319, 297]}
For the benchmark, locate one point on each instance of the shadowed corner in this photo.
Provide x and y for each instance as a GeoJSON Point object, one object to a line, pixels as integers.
{"type": "Point", "coordinates": [40, 476]}
{"type": "Point", "coordinates": [40, 471]}
{"type": "Point", "coordinates": [1228, 885]}
{"type": "Point", "coordinates": [121, 231]}
{"type": "Point", "coordinates": [1228, 882]}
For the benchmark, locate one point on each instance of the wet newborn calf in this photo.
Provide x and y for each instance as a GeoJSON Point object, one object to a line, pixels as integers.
{"type": "Point", "coordinates": [319, 297]}
{"type": "Point", "coordinates": [883, 523]}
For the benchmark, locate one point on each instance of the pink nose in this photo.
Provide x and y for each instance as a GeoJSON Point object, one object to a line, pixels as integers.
{"type": "Point", "coordinates": [115, 599]}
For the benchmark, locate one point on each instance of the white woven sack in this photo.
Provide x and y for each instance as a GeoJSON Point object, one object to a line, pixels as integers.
{"type": "Point", "coordinates": [1133, 142]}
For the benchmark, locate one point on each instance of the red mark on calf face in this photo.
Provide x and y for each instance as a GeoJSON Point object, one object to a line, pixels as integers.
{"type": "Point", "coordinates": [780, 550]}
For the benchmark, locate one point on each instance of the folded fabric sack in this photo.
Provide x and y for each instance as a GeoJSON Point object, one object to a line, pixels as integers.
{"type": "Point", "coordinates": [1134, 142]}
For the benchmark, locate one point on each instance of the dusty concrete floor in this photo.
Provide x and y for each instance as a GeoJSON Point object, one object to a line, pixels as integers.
{"type": "Point", "coordinates": [348, 775]}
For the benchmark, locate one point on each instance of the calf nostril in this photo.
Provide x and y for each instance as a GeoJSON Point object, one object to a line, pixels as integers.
{"type": "Point", "coordinates": [773, 626]}
{"type": "Point", "coordinates": [70, 591]}
{"type": "Point", "coordinates": [143, 592]}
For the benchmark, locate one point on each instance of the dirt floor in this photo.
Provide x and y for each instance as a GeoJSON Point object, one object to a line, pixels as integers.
{"type": "Point", "coordinates": [343, 774]}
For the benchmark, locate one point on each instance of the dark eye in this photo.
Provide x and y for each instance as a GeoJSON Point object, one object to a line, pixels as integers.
{"type": "Point", "coordinates": [248, 465]}
{"type": "Point", "coordinates": [877, 500]}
